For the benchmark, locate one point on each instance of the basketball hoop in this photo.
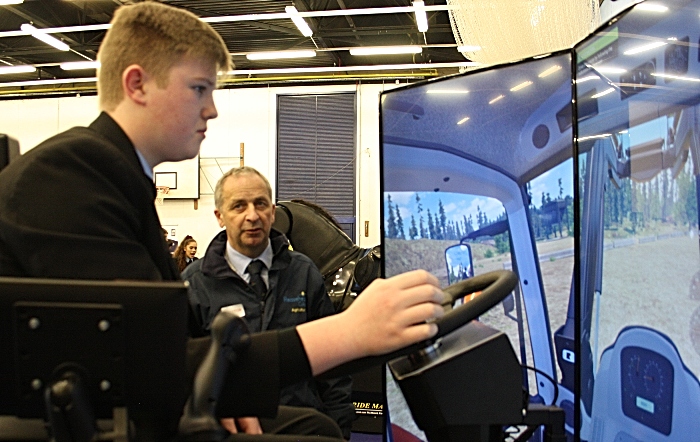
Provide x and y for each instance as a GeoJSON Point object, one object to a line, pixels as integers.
{"type": "Point", "coordinates": [161, 191]}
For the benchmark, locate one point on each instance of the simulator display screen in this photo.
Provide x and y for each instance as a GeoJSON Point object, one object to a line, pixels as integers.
{"type": "Point", "coordinates": [587, 187]}
{"type": "Point", "coordinates": [476, 179]}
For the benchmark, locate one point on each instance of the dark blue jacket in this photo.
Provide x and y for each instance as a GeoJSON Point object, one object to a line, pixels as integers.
{"type": "Point", "coordinates": [296, 294]}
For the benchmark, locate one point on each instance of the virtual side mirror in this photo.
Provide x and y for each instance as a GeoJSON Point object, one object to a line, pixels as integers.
{"type": "Point", "coordinates": [459, 263]}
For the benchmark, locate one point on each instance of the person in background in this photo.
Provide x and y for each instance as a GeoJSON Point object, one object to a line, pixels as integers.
{"type": "Point", "coordinates": [286, 288]}
{"type": "Point", "coordinates": [155, 85]}
{"type": "Point", "coordinates": [184, 254]}
{"type": "Point", "coordinates": [171, 244]}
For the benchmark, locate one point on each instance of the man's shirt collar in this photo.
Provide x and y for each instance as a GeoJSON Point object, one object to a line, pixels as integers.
{"type": "Point", "coordinates": [239, 262]}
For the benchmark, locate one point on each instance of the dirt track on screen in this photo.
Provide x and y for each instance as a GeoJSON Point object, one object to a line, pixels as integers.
{"type": "Point", "coordinates": [648, 284]}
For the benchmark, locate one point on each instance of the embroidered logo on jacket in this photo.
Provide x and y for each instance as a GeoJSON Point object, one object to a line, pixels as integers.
{"type": "Point", "coordinates": [298, 302]}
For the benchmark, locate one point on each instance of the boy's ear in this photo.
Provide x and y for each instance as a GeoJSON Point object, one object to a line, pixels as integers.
{"type": "Point", "coordinates": [133, 79]}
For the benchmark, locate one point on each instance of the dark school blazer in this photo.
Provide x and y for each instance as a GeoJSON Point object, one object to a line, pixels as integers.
{"type": "Point", "coordinates": [80, 206]}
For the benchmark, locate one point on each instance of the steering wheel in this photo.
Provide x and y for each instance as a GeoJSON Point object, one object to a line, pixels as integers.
{"type": "Point", "coordinates": [494, 286]}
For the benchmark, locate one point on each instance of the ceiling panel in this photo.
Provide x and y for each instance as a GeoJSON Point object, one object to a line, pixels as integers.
{"type": "Point", "coordinates": [333, 36]}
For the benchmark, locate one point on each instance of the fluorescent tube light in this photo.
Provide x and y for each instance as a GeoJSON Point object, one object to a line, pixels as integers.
{"type": "Point", "coordinates": [76, 65]}
{"type": "Point", "coordinates": [549, 71]}
{"type": "Point", "coordinates": [325, 69]}
{"type": "Point", "coordinates": [496, 99]}
{"type": "Point", "coordinates": [48, 82]}
{"type": "Point", "coordinates": [604, 93]}
{"type": "Point", "coordinates": [273, 55]}
{"type": "Point", "coordinates": [10, 2]}
{"type": "Point", "coordinates": [298, 21]}
{"type": "Point", "coordinates": [463, 120]}
{"type": "Point", "coordinates": [46, 38]}
{"type": "Point", "coordinates": [522, 85]}
{"type": "Point", "coordinates": [646, 47]}
{"type": "Point", "coordinates": [468, 48]}
{"type": "Point", "coordinates": [17, 69]}
{"type": "Point", "coordinates": [386, 50]}
{"type": "Point", "coordinates": [421, 16]}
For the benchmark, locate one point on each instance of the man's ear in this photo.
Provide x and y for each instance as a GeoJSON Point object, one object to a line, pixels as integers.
{"type": "Point", "coordinates": [219, 218]}
{"type": "Point", "coordinates": [134, 78]}
{"type": "Point", "coordinates": [272, 218]}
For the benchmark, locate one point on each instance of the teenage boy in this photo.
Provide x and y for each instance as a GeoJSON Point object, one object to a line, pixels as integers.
{"type": "Point", "coordinates": [80, 205]}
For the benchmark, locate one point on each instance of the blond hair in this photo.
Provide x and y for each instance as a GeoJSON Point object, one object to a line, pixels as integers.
{"type": "Point", "coordinates": [154, 36]}
{"type": "Point", "coordinates": [237, 171]}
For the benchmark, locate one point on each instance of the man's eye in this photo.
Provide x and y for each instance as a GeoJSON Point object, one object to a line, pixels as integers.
{"type": "Point", "coordinates": [200, 89]}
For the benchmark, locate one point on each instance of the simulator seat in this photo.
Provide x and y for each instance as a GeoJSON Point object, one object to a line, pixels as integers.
{"type": "Point", "coordinates": [643, 392]}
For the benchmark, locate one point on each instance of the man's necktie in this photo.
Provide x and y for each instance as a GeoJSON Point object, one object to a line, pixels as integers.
{"type": "Point", "coordinates": [256, 281]}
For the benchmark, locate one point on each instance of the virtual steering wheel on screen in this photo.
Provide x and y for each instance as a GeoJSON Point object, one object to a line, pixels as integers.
{"type": "Point", "coordinates": [494, 287]}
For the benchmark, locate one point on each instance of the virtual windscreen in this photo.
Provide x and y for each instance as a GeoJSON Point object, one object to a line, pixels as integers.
{"type": "Point", "coordinates": [479, 173]}
{"type": "Point", "coordinates": [638, 169]}
{"type": "Point", "coordinates": [469, 172]}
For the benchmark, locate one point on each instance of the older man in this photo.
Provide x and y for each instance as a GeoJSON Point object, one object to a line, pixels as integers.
{"type": "Point", "coordinates": [249, 269]}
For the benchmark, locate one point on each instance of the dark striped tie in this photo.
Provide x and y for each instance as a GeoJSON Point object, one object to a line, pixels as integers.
{"type": "Point", "coordinates": [256, 281]}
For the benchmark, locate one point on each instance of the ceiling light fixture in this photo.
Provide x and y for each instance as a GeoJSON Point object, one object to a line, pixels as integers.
{"type": "Point", "coordinates": [646, 47]}
{"type": "Point", "coordinates": [549, 71]}
{"type": "Point", "coordinates": [421, 16]}
{"type": "Point", "coordinates": [384, 67]}
{"type": "Point", "coordinates": [40, 35]}
{"type": "Point", "coordinates": [386, 50]}
{"type": "Point", "coordinates": [17, 69]}
{"type": "Point", "coordinates": [298, 21]}
{"type": "Point", "coordinates": [522, 85]}
{"type": "Point", "coordinates": [48, 82]}
{"type": "Point", "coordinates": [463, 120]}
{"type": "Point", "coordinates": [77, 65]}
{"type": "Point", "coordinates": [254, 17]}
{"type": "Point", "coordinates": [468, 48]}
{"type": "Point", "coordinates": [10, 2]}
{"type": "Point", "coordinates": [274, 55]}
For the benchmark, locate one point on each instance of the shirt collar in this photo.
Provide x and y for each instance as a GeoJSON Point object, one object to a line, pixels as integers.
{"type": "Point", "coordinates": [147, 169]}
{"type": "Point", "coordinates": [239, 262]}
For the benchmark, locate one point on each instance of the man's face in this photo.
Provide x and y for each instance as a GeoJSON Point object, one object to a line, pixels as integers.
{"type": "Point", "coordinates": [247, 213]}
{"type": "Point", "coordinates": [180, 111]}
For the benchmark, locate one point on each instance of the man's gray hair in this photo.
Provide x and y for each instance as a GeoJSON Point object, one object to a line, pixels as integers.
{"type": "Point", "coordinates": [237, 171]}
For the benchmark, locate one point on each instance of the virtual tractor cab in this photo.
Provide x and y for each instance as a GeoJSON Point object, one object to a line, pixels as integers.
{"type": "Point", "coordinates": [578, 170]}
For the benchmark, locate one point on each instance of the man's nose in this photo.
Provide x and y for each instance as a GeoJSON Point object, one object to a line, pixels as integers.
{"type": "Point", "coordinates": [251, 214]}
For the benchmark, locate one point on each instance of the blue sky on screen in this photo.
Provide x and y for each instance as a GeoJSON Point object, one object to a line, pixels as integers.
{"type": "Point", "coordinates": [458, 205]}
